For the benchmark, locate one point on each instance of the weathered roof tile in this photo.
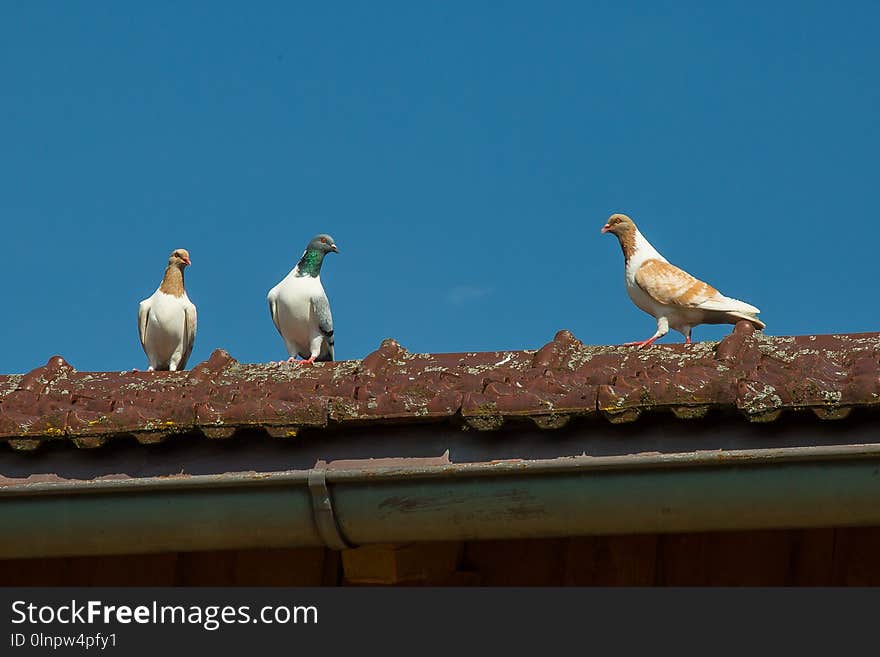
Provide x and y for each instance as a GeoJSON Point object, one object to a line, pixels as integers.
{"type": "Point", "coordinates": [760, 376]}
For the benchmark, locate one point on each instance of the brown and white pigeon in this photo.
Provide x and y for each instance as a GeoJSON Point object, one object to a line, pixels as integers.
{"type": "Point", "coordinates": [167, 320]}
{"type": "Point", "coordinates": [670, 294]}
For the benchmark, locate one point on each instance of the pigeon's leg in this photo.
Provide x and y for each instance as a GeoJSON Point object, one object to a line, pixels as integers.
{"type": "Point", "coordinates": [641, 343]}
{"type": "Point", "coordinates": [314, 350]}
{"type": "Point", "coordinates": [687, 335]}
{"type": "Point", "coordinates": [176, 357]}
{"type": "Point", "coordinates": [662, 329]}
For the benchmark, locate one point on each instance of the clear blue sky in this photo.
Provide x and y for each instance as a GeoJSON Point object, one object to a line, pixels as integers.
{"type": "Point", "coordinates": [464, 156]}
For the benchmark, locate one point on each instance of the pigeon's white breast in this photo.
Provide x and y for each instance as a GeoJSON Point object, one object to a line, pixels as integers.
{"type": "Point", "coordinates": [293, 303]}
{"type": "Point", "coordinates": [644, 251]}
{"type": "Point", "coordinates": [165, 324]}
{"type": "Point", "coordinates": [640, 298]}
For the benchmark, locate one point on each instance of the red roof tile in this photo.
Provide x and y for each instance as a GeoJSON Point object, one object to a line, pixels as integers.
{"type": "Point", "coordinates": [757, 375]}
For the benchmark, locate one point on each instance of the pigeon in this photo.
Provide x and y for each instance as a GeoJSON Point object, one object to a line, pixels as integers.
{"type": "Point", "coordinates": [299, 306]}
{"type": "Point", "coordinates": [670, 294]}
{"type": "Point", "coordinates": [167, 320]}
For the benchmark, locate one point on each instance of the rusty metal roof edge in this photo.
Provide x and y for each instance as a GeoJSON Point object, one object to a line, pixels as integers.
{"type": "Point", "coordinates": [756, 489]}
{"type": "Point", "coordinates": [562, 465]}
{"type": "Point", "coordinates": [585, 463]}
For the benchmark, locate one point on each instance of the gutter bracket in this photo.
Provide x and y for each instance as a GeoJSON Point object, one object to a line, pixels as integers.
{"type": "Point", "coordinates": [323, 512]}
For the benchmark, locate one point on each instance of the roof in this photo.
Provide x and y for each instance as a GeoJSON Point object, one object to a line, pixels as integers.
{"type": "Point", "coordinates": [749, 374]}
{"type": "Point", "coordinates": [568, 440]}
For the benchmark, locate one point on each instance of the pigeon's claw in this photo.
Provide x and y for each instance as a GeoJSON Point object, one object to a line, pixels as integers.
{"type": "Point", "coordinates": [641, 343]}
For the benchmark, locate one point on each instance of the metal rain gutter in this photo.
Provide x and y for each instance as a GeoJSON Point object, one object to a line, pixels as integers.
{"type": "Point", "coordinates": [339, 508]}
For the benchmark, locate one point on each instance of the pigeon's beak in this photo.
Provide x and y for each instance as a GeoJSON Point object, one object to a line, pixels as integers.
{"type": "Point", "coordinates": [187, 261]}
{"type": "Point", "coordinates": [606, 228]}
{"type": "Point", "coordinates": [333, 248]}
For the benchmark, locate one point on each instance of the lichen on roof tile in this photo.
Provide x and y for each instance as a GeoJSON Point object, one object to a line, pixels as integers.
{"type": "Point", "coordinates": [757, 375]}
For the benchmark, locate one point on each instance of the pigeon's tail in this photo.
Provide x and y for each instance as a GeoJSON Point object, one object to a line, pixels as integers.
{"type": "Point", "coordinates": [741, 310]}
{"type": "Point", "coordinates": [732, 310]}
{"type": "Point", "coordinates": [757, 323]}
{"type": "Point", "coordinates": [721, 303]}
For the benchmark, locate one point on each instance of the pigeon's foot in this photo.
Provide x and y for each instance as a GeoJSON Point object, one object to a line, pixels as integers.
{"type": "Point", "coordinates": [687, 340]}
{"type": "Point", "coordinates": [293, 361]}
{"type": "Point", "coordinates": [642, 343]}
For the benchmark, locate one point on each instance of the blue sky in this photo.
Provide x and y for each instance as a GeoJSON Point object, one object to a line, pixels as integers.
{"type": "Point", "coordinates": [464, 155]}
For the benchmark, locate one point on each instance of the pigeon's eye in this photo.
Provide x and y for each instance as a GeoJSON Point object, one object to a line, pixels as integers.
{"type": "Point", "coordinates": [324, 240]}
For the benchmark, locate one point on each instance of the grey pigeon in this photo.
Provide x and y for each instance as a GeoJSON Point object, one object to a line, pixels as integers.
{"type": "Point", "coordinates": [299, 306]}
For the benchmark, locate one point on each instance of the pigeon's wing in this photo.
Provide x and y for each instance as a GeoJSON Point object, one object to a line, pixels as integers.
{"type": "Point", "coordinates": [273, 311]}
{"type": "Point", "coordinates": [669, 285]}
{"type": "Point", "coordinates": [143, 316]}
{"type": "Point", "coordinates": [321, 310]}
{"type": "Point", "coordinates": [190, 321]}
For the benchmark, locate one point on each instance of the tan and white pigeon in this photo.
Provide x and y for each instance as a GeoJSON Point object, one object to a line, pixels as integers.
{"type": "Point", "coordinates": [167, 320]}
{"type": "Point", "coordinates": [670, 294]}
{"type": "Point", "coordinates": [299, 306]}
